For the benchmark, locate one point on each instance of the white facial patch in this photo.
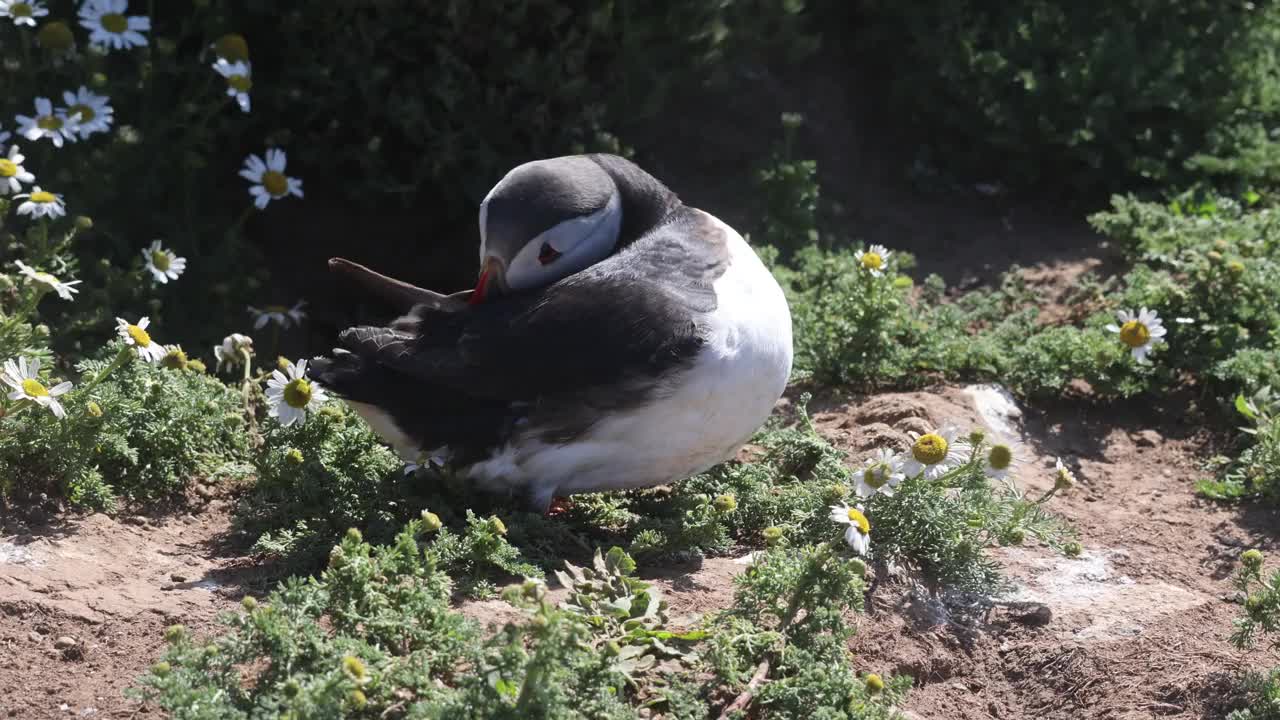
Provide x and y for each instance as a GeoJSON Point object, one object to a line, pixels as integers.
{"type": "Point", "coordinates": [581, 242]}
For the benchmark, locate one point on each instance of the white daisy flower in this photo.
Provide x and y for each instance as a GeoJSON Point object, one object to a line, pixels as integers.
{"type": "Point", "coordinates": [109, 27]}
{"type": "Point", "coordinates": [12, 174]}
{"type": "Point", "coordinates": [92, 113]}
{"type": "Point", "coordinates": [1063, 478]}
{"type": "Point", "coordinates": [1001, 459]}
{"type": "Point", "coordinates": [41, 203]}
{"type": "Point", "coordinates": [64, 290]}
{"type": "Point", "coordinates": [874, 260]}
{"type": "Point", "coordinates": [137, 336]}
{"type": "Point", "coordinates": [239, 81]}
{"type": "Point", "coordinates": [858, 532]}
{"type": "Point", "coordinates": [290, 394]}
{"type": "Point", "coordinates": [933, 453]}
{"type": "Point", "coordinates": [271, 182]}
{"type": "Point", "coordinates": [228, 353]}
{"type": "Point", "coordinates": [24, 379]}
{"type": "Point", "coordinates": [278, 314]}
{"type": "Point", "coordinates": [1140, 332]}
{"type": "Point", "coordinates": [48, 124]}
{"type": "Point", "coordinates": [23, 12]}
{"type": "Point", "coordinates": [881, 474]}
{"type": "Point", "coordinates": [163, 264]}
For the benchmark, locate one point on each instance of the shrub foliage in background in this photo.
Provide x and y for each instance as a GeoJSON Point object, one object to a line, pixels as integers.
{"type": "Point", "coordinates": [1085, 96]}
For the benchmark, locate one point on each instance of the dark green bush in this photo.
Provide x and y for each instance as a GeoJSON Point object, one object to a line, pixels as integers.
{"type": "Point", "coordinates": [444, 97]}
{"type": "Point", "coordinates": [1091, 97]}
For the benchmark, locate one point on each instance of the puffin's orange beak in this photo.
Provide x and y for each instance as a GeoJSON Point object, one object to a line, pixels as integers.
{"type": "Point", "coordinates": [491, 277]}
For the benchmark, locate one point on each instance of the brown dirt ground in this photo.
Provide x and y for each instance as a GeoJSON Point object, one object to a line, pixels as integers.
{"type": "Point", "coordinates": [1135, 627]}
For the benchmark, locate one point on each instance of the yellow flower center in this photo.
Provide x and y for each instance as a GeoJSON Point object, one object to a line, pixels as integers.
{"type": "Point", "coordinates": [1000, 457]}
{"type": "Point", "coordinates": [20, 10]}
{"type": "Point", "coordinates": [42, 196]}
{"type": "Point", "coordinates": [1134, 334]}
{"type": "Point", "coordinates": [233, 47]}
{"type": "Point", "coordinates": [140, 337]}
{"type": "Point", "coordinates": [858, 520]}
{"type": "Point", "coordinates": [160, 259]}
{"type": "Point", "coordinates": [49, 122]}
{"type": "Point", "coordinates": [56, 36]}
{"type": "Point", "coordinates": [241, 83]}
{"type": "Point", "coordinates": [930, 449]}
{"type": "Point", "coordinates": [8, 168]}
{"type": "Point", "coordinates": [872, 261]}
{"type": "Point", "coordinates": [175, 359]}
{"type": "Point", "coordinates": [297, 393]}
{"type": "Point", "coordinates": [876, 476]}
{"type": "Point", "coordinates": [114, 23]}
{"type": "Point", "coordinates": [33, 388]}
{"type": "Point", "coordinates": [84, 111]}
{"type": "Point", "coordinates": [275, 183]}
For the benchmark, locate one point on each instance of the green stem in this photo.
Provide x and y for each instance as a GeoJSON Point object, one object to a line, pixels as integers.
{"type": "Point", "coordinates": [235, 228]}
{"type": "Point", "coordinates": [122, 357]}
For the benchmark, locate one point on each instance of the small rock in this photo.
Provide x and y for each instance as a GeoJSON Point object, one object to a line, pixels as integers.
{"type": "Point", "coordinates": [167, 586]}
{"type": "Point", "coordinates": [1147, 438]}
{"type": "Point", "coordinates": [205, 492]}
{"type": "Point", "coordinates": [136, 520]}
{"type": "Point", "coordinates": [177, 577]}
{"type": "Point", "coordinates": [1037, 616]}
{"type": "Point", "coordinates": [64, 642]}
{"type": "Point", "coordinates": [34, 636]}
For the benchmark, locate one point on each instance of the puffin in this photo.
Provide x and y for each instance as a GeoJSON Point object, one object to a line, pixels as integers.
{"type": "Point", "coordinates": [615, 338]}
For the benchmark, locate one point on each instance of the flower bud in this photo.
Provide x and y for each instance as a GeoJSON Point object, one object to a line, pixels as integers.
{"type": "Point", "coordinates": [496, 524]}
{"type": "Point", "coordinates": [84, 223]}
{"type": "Point", "coordinates": [874, 684]}
{"type": "Point", "coordinates": [294, 456]}
{"type": "Point", "coordinates": [1236, 268]}
{"type": "Point", "coordinates": [354, 535]}
{"type": "Point", "coordinates": [353, 667]}
{"type": "Point", "coordinates": [356, 699]}
{"type": "Point", "coordinates": [1214, 255]}
{"type": "Point", "coordinates": [1073, 549]}
{"type": "Point", "coordinates": [726, 503]}
{"type": "Point", "coordinates": [174, 633]}
{"type": "Point", "coordinates": [1251, 559]}
{"type": "Point", "coordinates": [431, 521]}
{"type": "Point", "coordinates": [976, 436]}
{"type": "Point", "coordinates": [161, 669]}
{"type": "Point", "coordinates": [792, 120]}
{"type": "Point", "coordinates": [1016, 536]}
{"type": "Point", "coordinates": [858, 567]}
{"type": "Point", "coordinates": [772, 535]}
{"type": "Point", "coordinates": [249, 603]}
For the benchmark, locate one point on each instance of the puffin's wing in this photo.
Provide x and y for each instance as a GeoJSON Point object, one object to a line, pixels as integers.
{"type": "Point", "coordinates": [591, 330]}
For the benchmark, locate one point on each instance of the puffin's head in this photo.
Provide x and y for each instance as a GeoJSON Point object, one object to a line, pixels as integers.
{"type": "Point", "coordinates": [548, 219]}
{"type": "Point", "coordinates": [544, 221]}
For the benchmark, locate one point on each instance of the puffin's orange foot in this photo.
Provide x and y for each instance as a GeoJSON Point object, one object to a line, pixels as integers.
{"type": "Point", "coordinates": [559, 506]}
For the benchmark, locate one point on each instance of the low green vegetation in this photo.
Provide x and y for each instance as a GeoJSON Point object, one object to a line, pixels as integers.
{"type": "Point", "coordinates": [1260, 690]}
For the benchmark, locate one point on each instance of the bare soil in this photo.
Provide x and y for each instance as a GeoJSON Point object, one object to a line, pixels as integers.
{"type": "Point", "coordinates": [1134, 628]}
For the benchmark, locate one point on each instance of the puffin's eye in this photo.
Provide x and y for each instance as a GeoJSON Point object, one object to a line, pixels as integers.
{"type": "Point", "coordinates": [548, 254]}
